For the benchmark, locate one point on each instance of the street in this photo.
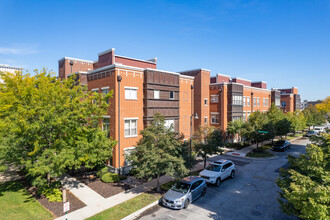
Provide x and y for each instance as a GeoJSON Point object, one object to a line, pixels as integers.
{"type": "Point", "coordinates": [251, 195]}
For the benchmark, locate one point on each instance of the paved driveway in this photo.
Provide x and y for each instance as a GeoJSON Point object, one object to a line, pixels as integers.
{"type": "Point", "coordinates": [251, 195]}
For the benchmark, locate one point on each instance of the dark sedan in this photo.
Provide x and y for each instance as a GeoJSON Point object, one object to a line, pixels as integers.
{"type": "Point", "coordinates": [281, 145]}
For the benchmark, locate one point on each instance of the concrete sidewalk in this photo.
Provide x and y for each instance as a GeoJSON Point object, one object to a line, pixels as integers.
{"type": "Point", "coordinates": [96, 203]}
{"type": "Point", "coordinates": [244, 151]}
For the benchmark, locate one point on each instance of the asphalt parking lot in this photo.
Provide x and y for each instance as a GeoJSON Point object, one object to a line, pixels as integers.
{"type": "Point", "coordinates": [251, 195]}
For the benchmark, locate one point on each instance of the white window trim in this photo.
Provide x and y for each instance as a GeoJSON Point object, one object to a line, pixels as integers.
{"type": "Point", "coordinates": [129, 87]}
{"type": "Point", "coordinates": [206, 120]}
{"type": "Point", "coordinates": [133, 88]}
{"type": "Point", "coordinates": [106, 116]}
{"type": "Point", "coordinates": [94, 90]}
{"type": "Point", "coordinates": [105, 88]}
{"type": "Point", "coordinates": [158, 93]}
{"type": "Point", "coordinates": [214, 113]}
{"type": "Point", "coordinates": [130, 136]}
{"type": "Point", "coordinates": [206, 102]}
{"type": "Point", "coordinates": [131, 118]}
{"type": "Point", "coordinates": [217, 96]}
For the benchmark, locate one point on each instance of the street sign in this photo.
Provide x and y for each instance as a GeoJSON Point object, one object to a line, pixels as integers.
{"type": "Point", "coordinates": [263, 132]}
{"type": "Point", "coordinates": [66, 206]}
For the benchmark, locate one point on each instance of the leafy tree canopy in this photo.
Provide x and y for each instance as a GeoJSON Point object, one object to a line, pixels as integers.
{"type": "Point", "coordinates": [48, 125]}
{"type": "Point", "coordinates": [305, 185]}
{"type": "Point", "coordinates": [158, 152]}
{"type": "Point", "coordinates": [208, 140]}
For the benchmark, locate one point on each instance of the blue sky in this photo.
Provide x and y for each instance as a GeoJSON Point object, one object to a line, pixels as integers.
{"type": "Point", "coordinates": [283, 42]}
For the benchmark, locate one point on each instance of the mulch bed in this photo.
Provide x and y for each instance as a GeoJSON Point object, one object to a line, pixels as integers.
{"type": "Point", "coordinates": [56, 208]}
{"type": "Point", "coordinates": [107, 189]}
{"type": "Point", "coordinates": [104, 189]}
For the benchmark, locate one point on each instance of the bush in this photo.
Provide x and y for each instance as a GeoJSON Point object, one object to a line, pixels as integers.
{"type": "Point", "coordinates": [168, 185]}
{"type": "Point", "coordinates": [237, 146]}
{"type": "Point", "coordinates": [112, 177]}
{"type": "Point", "coordinates": [3, 168]}
{"type": "Point", "coordinates": [133, 172]}
{"type": "Point", "coordinates": [102, 171]}
{"type": "Point", "coordinates": [53, 194]}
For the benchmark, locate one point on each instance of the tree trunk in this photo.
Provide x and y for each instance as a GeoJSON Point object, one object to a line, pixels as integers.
{"type": "Point", "coordinates": [48, 178]}
{"type": "Point", "coordinates": [158, 185]}
{"type": "Point", "coordinates": [204, 161]}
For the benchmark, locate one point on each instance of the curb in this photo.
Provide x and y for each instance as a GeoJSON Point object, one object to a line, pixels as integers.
{"type": "Point", "coordinates": [139, 212]}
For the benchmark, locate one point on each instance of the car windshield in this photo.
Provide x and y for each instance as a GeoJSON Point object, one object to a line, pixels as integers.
{"type": "Point", "coordinates": [279, 143]}
{"type": "Point", "coordinates": [213, 167]}
{"type": "Point", "coordinates": [181, 187]}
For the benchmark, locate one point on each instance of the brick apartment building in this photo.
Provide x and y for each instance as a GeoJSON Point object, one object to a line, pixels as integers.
{"type": "Point", "coordinates": [236, 98]}
{"type": "Point", "coordinates": [289, 99]}
{"type": "Point", "coordinates": [145, 90]}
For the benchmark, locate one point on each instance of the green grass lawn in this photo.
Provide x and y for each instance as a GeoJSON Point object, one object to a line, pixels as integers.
{"type": "Point", "coordinates": [262, 153]}
{"type": "Point", "coordinates": [17, 203]}
{"type": "Point", "coordinates": [126, 208]}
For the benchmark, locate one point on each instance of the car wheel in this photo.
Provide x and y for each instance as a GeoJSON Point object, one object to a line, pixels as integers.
{"type": "Point", "coordinates": [186, 203]}
{"type": "Point", "coordinates": [204, 192]}
{"type": "Point", "coordinates": [232, 175]}
{"type": "Point", "coordinates": [217, 183]}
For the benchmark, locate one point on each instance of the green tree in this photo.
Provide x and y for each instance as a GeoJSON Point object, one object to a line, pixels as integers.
{"type": "Point", "coordinates": [158, 152]}
{"type": "Point", "coordinates": [313, 116]}
{"type": "Point", "coordinates": [236, 127]}
{"type": "Point", "coordinates": [47, 126]}
{"type": "Point", "coordinates": [257, 122]}
{"type": "Point", "coordinates": [305, 185]}
{"type": "Point", "coordinates": [208, 140]}
{"type": "Point", "coordinates": [297, 121]}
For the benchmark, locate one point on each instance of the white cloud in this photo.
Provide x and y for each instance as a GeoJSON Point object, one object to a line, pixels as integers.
{"type": "Point", "coordinates": [18, 50]}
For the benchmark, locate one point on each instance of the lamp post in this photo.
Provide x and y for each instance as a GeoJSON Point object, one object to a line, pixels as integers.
{"type": "Point", "coordinates": [191, 127]}
{"type": "Point", "coordinates": [220, 99]}
{"type": "Point", "coordinates": [119, 78]}
{"type": "Point", "coordinates": [252, 102]}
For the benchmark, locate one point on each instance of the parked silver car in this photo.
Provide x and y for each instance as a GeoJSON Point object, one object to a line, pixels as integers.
{"type": "Point", "coordinates": [184, 192]}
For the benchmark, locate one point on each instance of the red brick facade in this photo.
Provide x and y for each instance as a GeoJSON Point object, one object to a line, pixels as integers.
{"type": "Point", "coordinates": [144, 90]}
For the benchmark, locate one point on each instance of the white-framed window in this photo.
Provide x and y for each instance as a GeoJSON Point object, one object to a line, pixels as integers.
{"type": "Point", "coordinates": [235, 118]}
{"type": "Point", "coordinates": [214, 98]}
{"type": "Point", "coordinates": [130, 127]}
{"type": "Point", "coordinates": [264, 102]}
{"type": "Point", "coordinates": [244, 116]}
{"type": "Point", "coordinates": [248, 115]}
{"type": "Point", "coordinates": [106, 124]}
{"type": "Point", "coordinates": [254, 101]}
{"type": "Point", "coordinates": [205, 120]}
{"type": "Point", "coordinates": [127, 152]}
{"type": "Point", "coordinates": [156, 94]}
{"type": "Point", "coordinates": [237, 100]}
{"type": "Point", "coordinates": [244, 101]}
{"type": "Point", "coordinates": [95, 91]}
{"type": "Point", "coordinates": [105, 90]}
{"type": "Point", "coordinates": [171, 95]}
{"type": "Point", "coordinates": [277, 102]}
{"type": "Point", "coordinates": [214, 118]}
{"type": "Point", "coordinates": [283, 104]}
{"type": "Point", "coordinates": [131, 93]}
{"type": "Point", "coordinates": [248, 100]}
{"type": "Point", "coordinates": [205, 101]}
{"type": "Point", "coordinates": [258, 102]}
{"type": "Point", "coordinates": [169, 123]}
{"type": "Point", "coordinates": [267, 102]}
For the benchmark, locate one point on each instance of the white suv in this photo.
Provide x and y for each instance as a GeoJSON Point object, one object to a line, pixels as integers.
{"type": "Point", "coordinates": [217, 171]}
